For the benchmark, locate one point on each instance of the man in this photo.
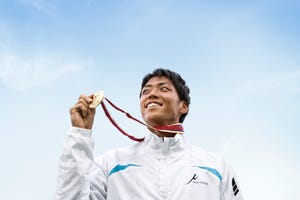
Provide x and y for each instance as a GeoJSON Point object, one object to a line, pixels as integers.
{"type": "Point", "coordinates": [163, 166]}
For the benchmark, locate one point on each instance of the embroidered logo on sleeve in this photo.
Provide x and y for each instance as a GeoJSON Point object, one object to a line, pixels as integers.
{"type": "Point", "coordinates": [234, 187]}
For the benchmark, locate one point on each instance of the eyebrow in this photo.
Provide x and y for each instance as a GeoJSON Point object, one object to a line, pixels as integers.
{"type": "Point", "coordinates": [159, 84]}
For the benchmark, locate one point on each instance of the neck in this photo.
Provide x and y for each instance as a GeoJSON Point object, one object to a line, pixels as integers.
{"type": "Point", "coordinates": [167, 131]}
{"type": "Point", "coordinates": [162, 134]}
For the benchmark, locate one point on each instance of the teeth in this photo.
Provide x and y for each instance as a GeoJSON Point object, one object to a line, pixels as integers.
{"type": "Point", "coordinates": [152, 105]}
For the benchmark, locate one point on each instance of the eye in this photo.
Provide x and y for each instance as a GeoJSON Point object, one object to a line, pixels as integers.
{"type": "Point", "coordinates": [164, 89]}
{"type": "Point", "coordinates": [145, 91]}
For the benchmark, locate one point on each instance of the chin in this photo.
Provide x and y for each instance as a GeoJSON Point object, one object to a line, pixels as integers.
{"type": "Point", "coordinates": [155, 122]}
{"type": "Point", "coordinates": [154, 119]}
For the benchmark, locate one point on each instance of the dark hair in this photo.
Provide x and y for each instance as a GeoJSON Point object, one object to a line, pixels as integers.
{"type": "Point", "coordinates": [179, 84]}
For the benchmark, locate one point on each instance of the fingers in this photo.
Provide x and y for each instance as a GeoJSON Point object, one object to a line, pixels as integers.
{"type": "Point", "coordinates": [86, 99]}
{"type": "Point", "coordinates": [81, 114]}
{"type": "Point", "coordinates": [82, 105]}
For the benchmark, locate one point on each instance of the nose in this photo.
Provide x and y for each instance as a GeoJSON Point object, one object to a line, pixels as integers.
{"type": "Point", "coordinates": [152, 94]}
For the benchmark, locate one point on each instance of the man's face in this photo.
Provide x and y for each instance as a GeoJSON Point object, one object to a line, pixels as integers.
{"type": "Point", "coordinates": [159, 102]}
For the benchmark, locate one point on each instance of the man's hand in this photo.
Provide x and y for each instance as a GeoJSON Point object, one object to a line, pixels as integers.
{"type": "Point", "coordinates": [82, 116]}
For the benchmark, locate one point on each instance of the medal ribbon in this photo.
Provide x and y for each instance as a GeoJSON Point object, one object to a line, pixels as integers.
{"type": "Point", "coordinates": [173, 128]}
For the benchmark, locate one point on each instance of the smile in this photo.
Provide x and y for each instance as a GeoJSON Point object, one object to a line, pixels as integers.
{"type": "Point", "coordinates": [153, 104]}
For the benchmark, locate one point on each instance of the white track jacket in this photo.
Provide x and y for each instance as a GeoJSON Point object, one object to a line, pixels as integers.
{"type": "Point", "coordinates": [157, 168]}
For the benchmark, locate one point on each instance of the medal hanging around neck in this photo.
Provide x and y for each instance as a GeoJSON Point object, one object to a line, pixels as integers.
{"type": "Point", "coordinates": [99, 99]}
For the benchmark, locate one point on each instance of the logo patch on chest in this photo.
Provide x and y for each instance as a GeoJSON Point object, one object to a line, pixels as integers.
{"type": "Point", "coordinates": [195, 180]}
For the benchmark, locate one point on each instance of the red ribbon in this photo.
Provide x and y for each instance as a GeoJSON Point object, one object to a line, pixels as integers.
{"type": "Point", "coordinates": [175, 128]}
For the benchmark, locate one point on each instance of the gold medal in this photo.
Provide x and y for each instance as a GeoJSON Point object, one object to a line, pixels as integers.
{"type": "Point", "coordinates": [98, 98]}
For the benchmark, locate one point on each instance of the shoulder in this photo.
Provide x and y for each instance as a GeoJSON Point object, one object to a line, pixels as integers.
{"type": "Point", "coordinates": [216, 164]}
{"type": "Point", "coordinates": [119, 155]}
{"type": "Point", "coordinates": [210, 160]}
{"type": "Point", "coordinates": [206, 156]}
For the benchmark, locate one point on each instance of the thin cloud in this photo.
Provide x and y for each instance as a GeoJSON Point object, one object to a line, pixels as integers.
{"type": "Point", "coordinates": [23, 73]}
{"type": "Point", "coordinates": [44, 6]}
{"type": "Point", "coordinates": [286, 81]}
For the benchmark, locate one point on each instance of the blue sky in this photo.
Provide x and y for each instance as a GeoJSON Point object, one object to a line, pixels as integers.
{"type": "Point", "coordinates": [241, 60]}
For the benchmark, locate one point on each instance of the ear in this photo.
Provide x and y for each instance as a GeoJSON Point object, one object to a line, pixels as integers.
{"type": "Point", "coordinates": [183, 107]}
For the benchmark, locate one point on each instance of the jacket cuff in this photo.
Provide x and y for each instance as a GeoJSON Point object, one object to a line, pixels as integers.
{"type": "Point", "coordinates": [82, 131]}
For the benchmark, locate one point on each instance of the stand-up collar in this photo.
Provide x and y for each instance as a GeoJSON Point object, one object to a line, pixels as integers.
{"type": "Point", "coordinates": [165, 145]}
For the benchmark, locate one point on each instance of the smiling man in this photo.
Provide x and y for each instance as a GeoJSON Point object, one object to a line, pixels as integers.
{"type": "Point", "coordinates": [163, 166]}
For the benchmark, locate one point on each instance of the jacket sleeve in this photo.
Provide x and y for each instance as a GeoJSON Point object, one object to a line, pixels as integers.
{"type": "Point", "coordinates": [79, 177]}
{"type": "Point", "coordinates": [230, 189]}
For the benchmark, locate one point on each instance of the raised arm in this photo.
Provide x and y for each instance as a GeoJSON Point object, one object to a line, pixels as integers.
{"type": "Point", "coordinates": [79, 177]}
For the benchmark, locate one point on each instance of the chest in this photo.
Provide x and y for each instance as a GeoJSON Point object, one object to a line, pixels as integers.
{"type": "Point", "coordinates": [164, 177]}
